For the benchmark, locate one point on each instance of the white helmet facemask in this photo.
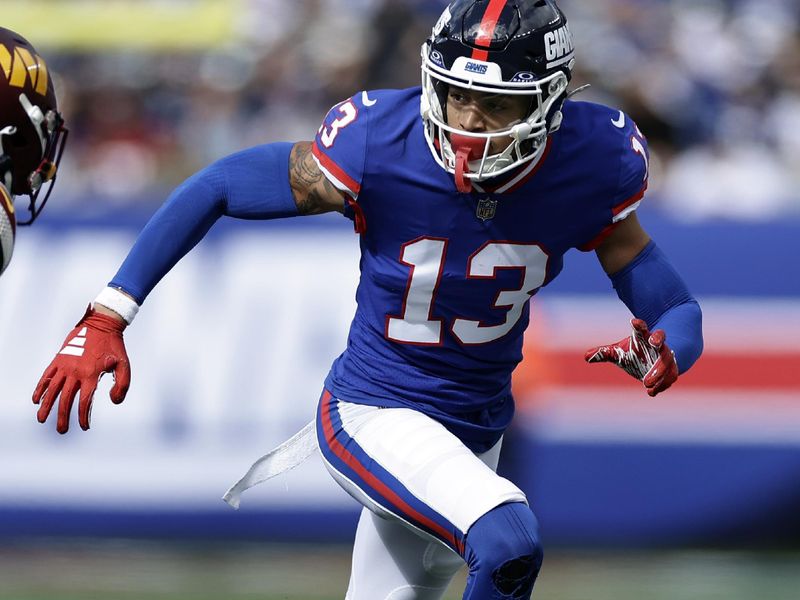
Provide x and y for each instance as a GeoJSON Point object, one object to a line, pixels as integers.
{"type": "Point", "coordinates": [467, 154]}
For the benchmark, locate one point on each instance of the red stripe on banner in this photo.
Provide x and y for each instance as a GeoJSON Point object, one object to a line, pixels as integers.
{"type": "Point", "coordinates": [336, 170]}
{"type": "Point", "coordinates": [488, 25]}
{"type": "Point", "coordinates": [774, 372]}
{"type": "Point", "coordinates": [376, 484]}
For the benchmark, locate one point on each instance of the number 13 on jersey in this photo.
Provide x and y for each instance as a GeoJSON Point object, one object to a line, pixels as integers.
{"type": "Point", "coordinates": [426, 257]}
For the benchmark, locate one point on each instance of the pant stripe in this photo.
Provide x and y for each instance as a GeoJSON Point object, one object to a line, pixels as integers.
{"type": "Point", "coordinates": [375, 481]}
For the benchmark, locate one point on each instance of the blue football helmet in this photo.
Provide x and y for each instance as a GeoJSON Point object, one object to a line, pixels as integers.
{"type": "Point", "coordinates": [497, 47]}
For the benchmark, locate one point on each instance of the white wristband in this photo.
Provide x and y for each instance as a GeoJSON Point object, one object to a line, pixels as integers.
{"type": "Point", "coordinates": [120, 303]}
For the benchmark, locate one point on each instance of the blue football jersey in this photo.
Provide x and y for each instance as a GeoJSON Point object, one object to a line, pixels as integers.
{"type": "Point", "coordinates": [446, 277]}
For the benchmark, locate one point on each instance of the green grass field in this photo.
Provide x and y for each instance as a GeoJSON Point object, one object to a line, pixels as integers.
{"type": "Point", "coordinates": [124, 570]}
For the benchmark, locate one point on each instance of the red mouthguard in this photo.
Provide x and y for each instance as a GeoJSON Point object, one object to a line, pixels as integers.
{"type": "Point", "coordinates": [467, 149]}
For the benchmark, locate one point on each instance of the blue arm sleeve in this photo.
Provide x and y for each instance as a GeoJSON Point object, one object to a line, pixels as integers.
{"type": "Point", "coordinates": [654, 292]}
{"type": "Point", "coordinates": [252, 184]}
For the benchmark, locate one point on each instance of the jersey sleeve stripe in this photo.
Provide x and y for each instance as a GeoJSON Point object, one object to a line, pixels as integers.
{"type": "Point", "coordinates": [626, 213]}
{"type": "Point", "coordinates": [620, 212]}
{"type": "Point", "coordinates": [595, 243]}
{"type": "Point", "coordinates": [335, 174]}
{"type": "Point", "coordinates": [622, 208]}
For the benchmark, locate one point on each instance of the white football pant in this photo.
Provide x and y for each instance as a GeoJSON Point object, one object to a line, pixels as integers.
{"type": "Point", "coordinates": [422, 490]}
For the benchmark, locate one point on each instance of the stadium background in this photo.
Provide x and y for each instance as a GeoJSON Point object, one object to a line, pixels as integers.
{"type": "Point", "coordinates": [690, 495]}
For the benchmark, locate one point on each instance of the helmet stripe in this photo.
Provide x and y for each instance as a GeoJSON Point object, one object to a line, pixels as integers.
{"type": "Point", "coordinates": [488, 25]}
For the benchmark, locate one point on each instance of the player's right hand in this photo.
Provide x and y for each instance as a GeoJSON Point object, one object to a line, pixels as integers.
{"type": "Point", "coordinates": [93, 348]}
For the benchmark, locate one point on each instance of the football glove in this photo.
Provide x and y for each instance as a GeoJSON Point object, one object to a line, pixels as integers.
{"type": "Point", "coordinates": [643, 355]}
{"type": "Point", "coordinates": [93, 348]}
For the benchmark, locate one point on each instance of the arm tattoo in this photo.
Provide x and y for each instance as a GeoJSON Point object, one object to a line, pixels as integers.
{"type": "Point", "coordinates": [313, 193]}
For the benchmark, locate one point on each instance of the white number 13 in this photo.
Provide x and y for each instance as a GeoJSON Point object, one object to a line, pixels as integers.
{"type": "Point", "coordinates": [349, 113]}
{"type": "Point", "coordinates": [426, 259]}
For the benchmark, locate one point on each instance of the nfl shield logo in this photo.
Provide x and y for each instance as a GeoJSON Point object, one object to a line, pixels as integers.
{"type": "Point", "coordinates": [486, 209]}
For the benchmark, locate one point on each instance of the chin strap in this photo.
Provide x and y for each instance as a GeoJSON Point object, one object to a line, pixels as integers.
{"type": "Point", "coordinates": [467, 148]}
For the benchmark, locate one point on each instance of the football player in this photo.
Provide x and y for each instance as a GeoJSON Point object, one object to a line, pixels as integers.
{"type": "Point", "coordinates": [32, 134]}
{"type": "Point", "coordinates": [466, 192]}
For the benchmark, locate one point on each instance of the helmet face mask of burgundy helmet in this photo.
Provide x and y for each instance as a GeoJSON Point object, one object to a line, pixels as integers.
{"type": "Point", "coordinates": [495, 47]}
{"type": "Point", "coordinates": [32, 132]}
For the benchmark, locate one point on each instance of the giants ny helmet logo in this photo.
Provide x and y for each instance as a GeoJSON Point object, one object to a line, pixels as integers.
{"type": "Point", "coordinates": [559, 46]}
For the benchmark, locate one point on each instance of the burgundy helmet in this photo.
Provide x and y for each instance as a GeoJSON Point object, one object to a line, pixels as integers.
{"type": "Point", "coordinates": [32, 133]}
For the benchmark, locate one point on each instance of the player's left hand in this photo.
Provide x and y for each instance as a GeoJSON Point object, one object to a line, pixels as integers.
{"type": "Point", "coordinates": [642, 355]}
{"type": "Point", "coordinates": [93, 348]}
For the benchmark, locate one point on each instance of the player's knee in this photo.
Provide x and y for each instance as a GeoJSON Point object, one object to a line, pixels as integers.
{"type": "Point", "coordinates": [515, 578]}
{"type": "Point", "coordinates": [504, 550]}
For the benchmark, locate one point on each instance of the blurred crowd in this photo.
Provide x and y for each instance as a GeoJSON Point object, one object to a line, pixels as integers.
{"type": "Point", "coordinates": [714, 84]}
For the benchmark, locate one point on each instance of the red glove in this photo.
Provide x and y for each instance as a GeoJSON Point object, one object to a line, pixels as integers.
{"type": "Point", "coordinates": [643, 355]}
{"type": "Point", "coordinates": [93, 348]}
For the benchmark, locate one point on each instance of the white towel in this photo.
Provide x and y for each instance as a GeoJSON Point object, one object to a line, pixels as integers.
{"type": "Point", "coordinates": [285, 457]}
